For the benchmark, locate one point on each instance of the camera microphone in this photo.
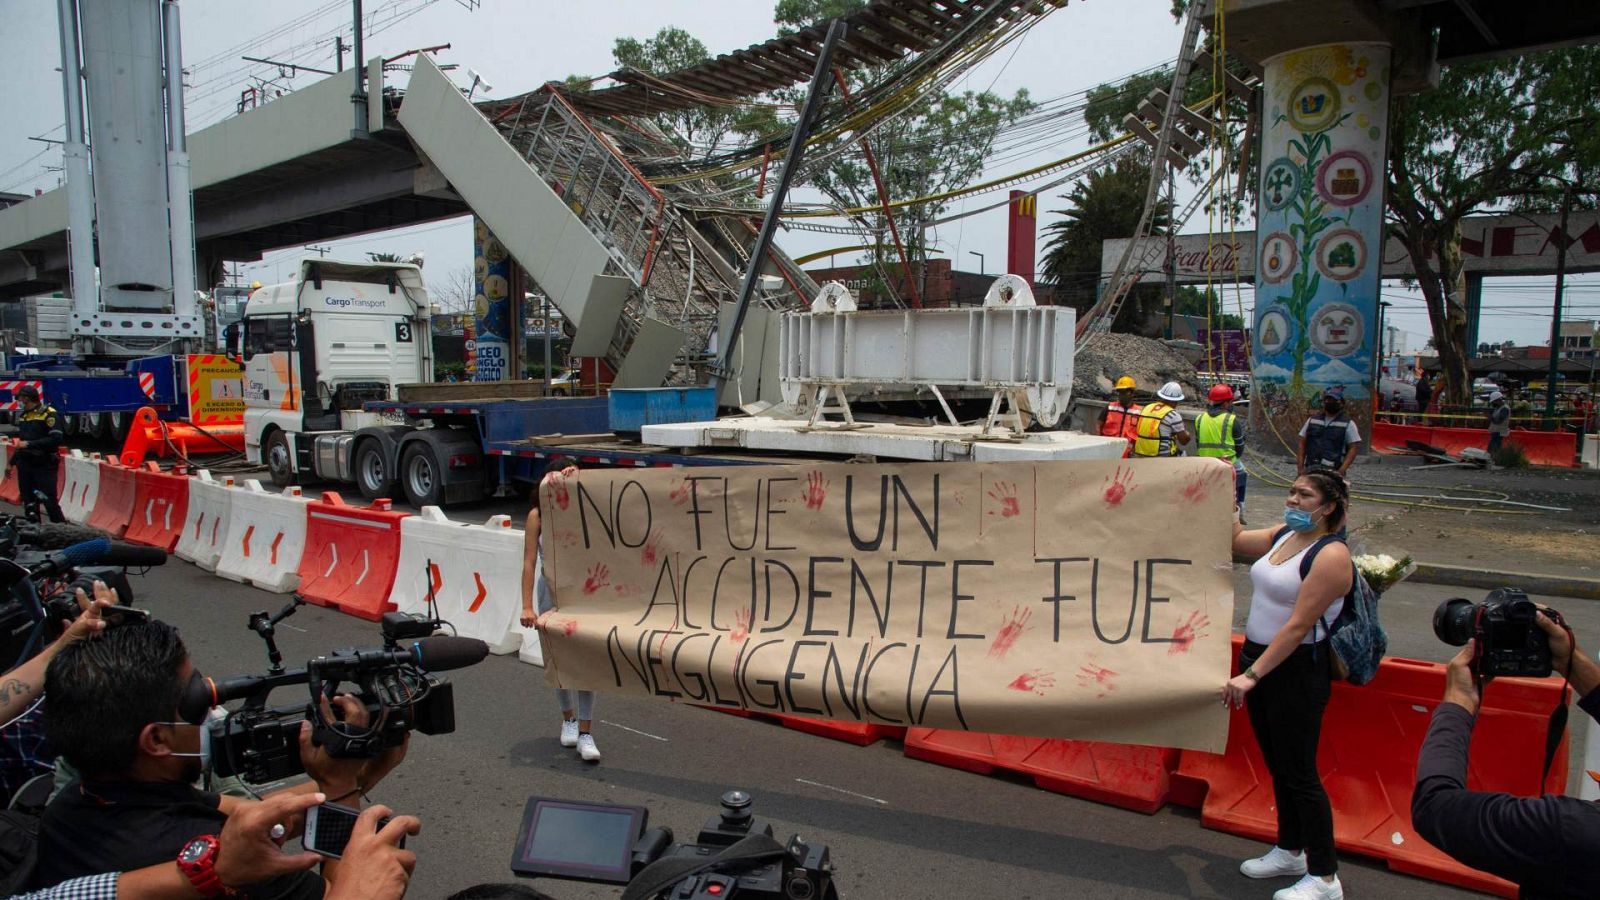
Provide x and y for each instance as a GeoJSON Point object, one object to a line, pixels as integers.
{"type": "Point", "coordinates": [99, 551]}
{"type": "Point", "coordinates": [82, 553]}
{"type": "Point", "coordinates": [445, 652]}
{"type": "Point", "coordinates": [133, 555]}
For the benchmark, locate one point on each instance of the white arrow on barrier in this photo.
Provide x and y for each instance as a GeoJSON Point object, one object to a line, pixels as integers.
{"type": "Point", "coordinates": [149, 514]}
{"type": "Point", "coordinates": [166, 520]}
{"type": "Point", "coordinates": [335, 562]}
{"type": "Point", "coordinates": [365, 564]}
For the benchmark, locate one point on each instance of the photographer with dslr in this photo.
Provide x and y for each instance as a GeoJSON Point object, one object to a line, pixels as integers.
{"type": "Point", "coordinates": [114, 714]}
{"type": "Point", "coordinates": [248, 852]}
{"type": "Point", "coordinates": [1549, 846]}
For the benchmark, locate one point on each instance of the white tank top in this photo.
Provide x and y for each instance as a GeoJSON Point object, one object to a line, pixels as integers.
{"type": "Point", "coordinates": [1274, 589]}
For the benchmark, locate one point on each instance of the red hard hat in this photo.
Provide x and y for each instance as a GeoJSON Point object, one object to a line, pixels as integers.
{"type": "Point", "coordinates": [1220, 393]}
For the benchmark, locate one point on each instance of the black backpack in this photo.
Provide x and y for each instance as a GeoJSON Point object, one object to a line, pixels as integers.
{"type": "Point", "coordinates": [1356, 637]}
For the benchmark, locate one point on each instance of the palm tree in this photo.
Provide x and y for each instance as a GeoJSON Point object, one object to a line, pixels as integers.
{"type": "Point", "coordinates": [1105, 205]}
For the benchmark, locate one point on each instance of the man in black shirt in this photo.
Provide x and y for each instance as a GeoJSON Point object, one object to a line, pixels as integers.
{"type": "Point", "coordinates": [113, 714]}
{"type": "Point", "coordinates": [1549, 846]}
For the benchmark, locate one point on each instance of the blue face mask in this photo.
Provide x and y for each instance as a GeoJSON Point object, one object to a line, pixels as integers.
{"type": "Point", "coordinates": [1298, 519]}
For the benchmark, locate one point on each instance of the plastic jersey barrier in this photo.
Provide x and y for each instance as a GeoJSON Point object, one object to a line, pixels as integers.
{"type": "Point", "coordinates": [160, 505]}
{"type": "Point", "coordinates": [9, 491]}
{"type": "Point", "coordinates": [351, 555]}
{"type": "Point", "coordinates": [1124, 775]}
{"type": "Point", "coordinates": [61, 473]}
{"type": "Point", "coordinates": [113, 504]}
{"type": "Point", "coordinates": [1543, 448]}
{"type": "Point", "coordinates": [1368, 758]}
{"type": "Point", "coordinates": [205, 528]}
{"type": "Point", "coordinates": [266, 538]}
{"type": "Point", "coordinates": [81, 487]}
{"type": "Point", "coordinates": [474, 573]}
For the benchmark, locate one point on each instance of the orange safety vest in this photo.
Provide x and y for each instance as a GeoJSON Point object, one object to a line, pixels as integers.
{"type": "Point", "coordinates": [1147, 440]}
{"type": "Point", "coordinates": [1121, 421]}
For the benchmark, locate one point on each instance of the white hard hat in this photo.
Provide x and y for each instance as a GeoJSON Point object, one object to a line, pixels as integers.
{"type": "Point", "coordinates": [1496, 395]}
{"type": "Point", "coordinates": [1170, 392]}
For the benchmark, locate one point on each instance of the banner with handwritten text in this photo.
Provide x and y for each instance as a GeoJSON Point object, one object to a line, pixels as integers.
{"type": "Point", "coordinates": [1085, 599]}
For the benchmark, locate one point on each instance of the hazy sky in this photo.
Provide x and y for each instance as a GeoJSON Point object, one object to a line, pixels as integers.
{"type": "Point", "coordinates": [518, 44]}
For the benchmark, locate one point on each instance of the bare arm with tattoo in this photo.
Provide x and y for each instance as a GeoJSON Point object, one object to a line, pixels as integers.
{"type": "Point", "coordinates": [22, 685]}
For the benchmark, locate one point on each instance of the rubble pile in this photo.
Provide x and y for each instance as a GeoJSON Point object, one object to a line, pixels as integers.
{"type": "Point", "coordinates": [1152, 363]}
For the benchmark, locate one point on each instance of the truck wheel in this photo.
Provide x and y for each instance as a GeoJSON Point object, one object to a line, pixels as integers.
{"type": "Point", "coordinates": [102, 430]}
{"type": "Point", "coordinates": [279, 459]}
{"type": "Point", "coordinates": [421, 476]}
{"type": "Point", "coordinates": [372, 471]}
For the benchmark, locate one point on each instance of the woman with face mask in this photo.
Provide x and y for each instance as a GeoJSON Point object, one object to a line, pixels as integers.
{"type": "Point", "coordinates": [1287, 673]}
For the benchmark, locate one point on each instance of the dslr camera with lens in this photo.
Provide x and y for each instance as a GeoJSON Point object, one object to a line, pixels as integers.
{"type": "Point", "coordinates": [1510, 643]}
{"type": "Point", "coordinates": [736, 855]}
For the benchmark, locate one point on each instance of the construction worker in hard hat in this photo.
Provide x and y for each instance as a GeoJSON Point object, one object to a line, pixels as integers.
{"type": "Point", "coordinates": [1220, 433]}
{"type": "Point", "coordinates": [1161, 431]}
{"type": "Point", "coordinates": [1121, 416]}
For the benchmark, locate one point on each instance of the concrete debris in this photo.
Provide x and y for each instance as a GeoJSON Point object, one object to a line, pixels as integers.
{"type": "Point", "coordinates": [1151, 363]}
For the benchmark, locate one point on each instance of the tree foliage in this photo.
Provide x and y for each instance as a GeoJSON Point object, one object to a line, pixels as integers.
{"type": "Point", "coordinates": [1495, 133]}
{"type": "Point", "coordinates": [696, 130]}
{"type": "Point", "coordinates": [1104, 205]}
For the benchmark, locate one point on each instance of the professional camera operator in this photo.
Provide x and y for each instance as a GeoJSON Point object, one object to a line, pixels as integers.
{"type": "Point", "coordinates": [114, 715]}
{"type": "Point", "coordinates": [1549, 846]}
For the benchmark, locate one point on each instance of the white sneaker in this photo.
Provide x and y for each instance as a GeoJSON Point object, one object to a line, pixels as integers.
{"type": "Point", "coordinates": [1312, 887]}
{"type": "Point", "coordinates": [569, 732]}
{"type": "Point", "coordinates": [587, 749]}
{"type": "Point", "coordinates": [1277, 863]}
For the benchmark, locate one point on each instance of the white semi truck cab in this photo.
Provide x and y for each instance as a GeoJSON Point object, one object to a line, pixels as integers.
{"type": "Point", "coordinates": [316, 349]}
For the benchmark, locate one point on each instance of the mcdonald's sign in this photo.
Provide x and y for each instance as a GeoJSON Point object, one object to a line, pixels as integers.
{"type": "Point", "coordinates": [1021, 234]}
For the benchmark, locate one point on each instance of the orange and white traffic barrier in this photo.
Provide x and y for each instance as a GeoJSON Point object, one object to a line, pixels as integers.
{"type": "Point", "coordinates": [81, 487]}
{"type": "Point", "coordinates": [473, 572]}
{"type": "Point", "coordinates": [266, 538]}
{"type": "Point", "coordinates": [205, 528]}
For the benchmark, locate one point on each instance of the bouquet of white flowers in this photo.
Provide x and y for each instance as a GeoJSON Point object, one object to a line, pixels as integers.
{"type": "Point", "coordinates": [1383, 571]}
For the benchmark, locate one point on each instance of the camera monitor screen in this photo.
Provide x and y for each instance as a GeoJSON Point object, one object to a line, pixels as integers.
{"type": "Point", "coordinates": [568, 839]}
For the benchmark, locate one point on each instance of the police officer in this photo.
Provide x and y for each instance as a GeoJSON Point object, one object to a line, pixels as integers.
{"type": "Point", "coordinates": [39, 429]}
{"type": "Point", "coordinates": [1328, 440]}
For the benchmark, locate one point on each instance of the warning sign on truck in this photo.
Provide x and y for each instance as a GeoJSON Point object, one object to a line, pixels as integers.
{"type": "Point", "coordinates": [216, 390]}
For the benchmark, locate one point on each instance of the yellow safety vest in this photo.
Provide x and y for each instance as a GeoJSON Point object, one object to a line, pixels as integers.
{"type": "Point", "coordinates": [1214, 436]}
{"type": "Point", "coordinates": [1148, 443]}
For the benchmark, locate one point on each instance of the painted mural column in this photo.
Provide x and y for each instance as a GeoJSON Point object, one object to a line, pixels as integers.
{"type": "Point", "coordinates": [1319, 234]}
{"type": "Point", "coordinates": [492, 319]}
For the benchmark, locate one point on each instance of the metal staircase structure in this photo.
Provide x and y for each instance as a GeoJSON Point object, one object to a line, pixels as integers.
{"type": "Point", "coordinates": [644, 281]}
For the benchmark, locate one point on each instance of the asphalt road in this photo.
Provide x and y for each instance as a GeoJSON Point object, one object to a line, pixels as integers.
{"type": "Point", "coordinates": [898, 828]}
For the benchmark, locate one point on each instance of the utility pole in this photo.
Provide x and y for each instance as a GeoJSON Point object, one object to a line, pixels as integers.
{"type": "Point", "coordinates": [817, 91]}
{"type": "Point", "coordinates": [358, 98]}
{"type": "Point", "coordinates": [1172, 254]}
{"type": "Point", "coordinates": [1555, 321]}
{"type": "Point", "coordinates": [339, 47]}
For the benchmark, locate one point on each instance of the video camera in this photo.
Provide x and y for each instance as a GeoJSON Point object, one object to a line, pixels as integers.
{"type": "Point", "coordinates": [1510, 643]}
{"type": "Point", "coordinates": [394, 683]}
{"type": "Point", "coordinates": [37, 587]}
{"type": "Point", "coordinates": [736, 855]}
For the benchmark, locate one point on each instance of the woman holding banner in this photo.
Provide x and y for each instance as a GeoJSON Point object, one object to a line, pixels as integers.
{"type": "Point", "coordinates": [577, 707]}
{"type": "Point", "coordinates": [1301, 575]}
